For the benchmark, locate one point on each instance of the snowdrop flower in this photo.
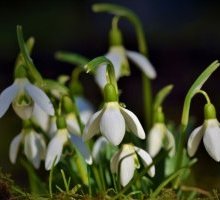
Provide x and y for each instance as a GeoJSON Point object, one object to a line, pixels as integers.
{"type": "Point", "coordinates": [118, 56]}
{"type": "Point", "coordinates": [125, 161]}
{"type": "Point", "coordinates": [34, 146]}
{"type": "Point", "coordinates": [62, 137]}
{"type": "Point", "coordinates": [159, 136]}
{"type": "Point", "coordinates": [209, 131]}
{"type": "Point", "coordinates": [23, 95]}
{"type": "Point", "coordinates": [113, 120]}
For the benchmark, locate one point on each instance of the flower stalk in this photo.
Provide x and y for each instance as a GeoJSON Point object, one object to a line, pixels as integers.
{"type": "Point", "coordinates": [128, 14]}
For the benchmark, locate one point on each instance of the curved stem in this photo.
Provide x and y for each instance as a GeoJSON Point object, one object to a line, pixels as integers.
{"type": "Point", "coordinates": [195, 88]}
{"type": "Point", "coordinates": [205, 95]}
{"type": "Point", "coordinates": [110, 75]}
{"type": "Point", "coordinates": [142, 46]}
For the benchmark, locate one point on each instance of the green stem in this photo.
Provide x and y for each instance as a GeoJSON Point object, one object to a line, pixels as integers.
{"type": "Point", "coordinates": [71, 58]}
{"type": "Point", "coordinates": [97, 62]}
{"type": "Point", "coordinates": [142, 45]}
{"type": "Point", "coordinates": [195, 88]}
{"type": "Point", "coordinates": [205, 95]}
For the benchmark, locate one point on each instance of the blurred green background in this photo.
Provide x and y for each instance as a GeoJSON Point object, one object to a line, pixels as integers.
{"type": "Point", "coordinates": [183, 38]}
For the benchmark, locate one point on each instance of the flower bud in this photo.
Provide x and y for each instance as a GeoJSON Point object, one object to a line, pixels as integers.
{"type": "Point", "coordinates": [209, 111]}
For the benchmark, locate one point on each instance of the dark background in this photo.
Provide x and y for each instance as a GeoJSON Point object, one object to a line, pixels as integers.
{"type": "Point", "coordinates": [183, 38]}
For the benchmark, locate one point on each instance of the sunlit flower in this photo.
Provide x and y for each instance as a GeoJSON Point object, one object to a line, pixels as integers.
{"type": "Point", "coordinates": [159, 136]}
{"type": "Point", "coordinates": [34, 147]}
{"type": "Point", "coordinates": [118, 56]}
{"type": "Point", "coordinates": [22, 94]}
{"type": "Point", "coordinates": [55, 148]}
{"type": "Point", "coordinates": [125, 161]}
{"type": "Point", "coordinates": [210, 132]}
{"type": "Point", "coordinates": [112, 121]}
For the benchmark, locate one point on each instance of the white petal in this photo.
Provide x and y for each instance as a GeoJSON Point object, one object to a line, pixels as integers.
{"type": "Point", "coordinates": [92, 127]}
{"type": "Point", "coordinates": [72, 124]}
{"type": "Point", "coordinates": [116, 59]}
{"type": "Point", "coordinates": [143, 63]}
{"type": "Point", "coordinates": [54, 150]}
{"type": "Point", "coordinates": [112, 124]}
{"type": "Point", "coordinates": [170, 143]}
{"type": "Point", "coordinates": [40, 98]}
{"type": "Point", "coordinates": [211, 141]}
{"type": "Point", "coordinates": [194, 140]}
{"type": "Point", "coordinates": [81, 146]}
{"type": "Point", "coordinates": [30, 147]}
{"type": "Point", "coordinates": [133, 123]}
{"type": "Point", "coordinates": [100, 76]}
{"type": "Point", "coordinates": [14, 147]}
{"type": "Point", "coordinates": [40, 117]}
{"type": "Point", "coordinates": [127, 167]}
{"type": "Point", "coordinates": [114, 162]}
{"type": "Point", "coordinates": [99, 147]}
{"type": "Point", "coordinates": [147, 160]}
{"type": "Point", "coordinates": [155, 139]}
{"type": "Point", "coordinates": [7, 97]}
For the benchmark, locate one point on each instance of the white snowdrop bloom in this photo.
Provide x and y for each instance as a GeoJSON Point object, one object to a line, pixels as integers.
{"type": "Point", "coordinates": [55, 147]}
{"type": "Point", "coordinates": [23, 95]}
{"type": "Point", "coordinates": [125, 161]}
{"type": "Point", "coordinates": [112, 121]}
{"type": "Point", "coordinates": [210, 132]}
{"type": "Point", "coordinates": [118, 56]}
{"type": "Point", "coordinates": [34, 147]}
{"type": "Point", "coordinates": [158, 137]}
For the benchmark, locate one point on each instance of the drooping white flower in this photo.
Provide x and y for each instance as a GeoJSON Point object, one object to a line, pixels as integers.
{"type": "Point", "coordinates": [55, 148]}
{"type": "Point", "coordinates": [159, 136]}
{"type": "Point", "coordinates": [34, 147]}
{"type": "Point", "coordinates": [118, 56]}
{"type": "Point", "coordinates": [125, 161]}
{"type": "Point", "coordinates": [210, 132]}
{"type": "Point", "coordinates": [112, 121]}
{"type": "Point", "coordinates": [23, 95]}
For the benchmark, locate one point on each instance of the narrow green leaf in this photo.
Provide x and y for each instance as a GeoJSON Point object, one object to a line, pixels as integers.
{"type": "Point", "coordinates": [71, 58]}
{"type": "Point", "coordinates": [161, 95]}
